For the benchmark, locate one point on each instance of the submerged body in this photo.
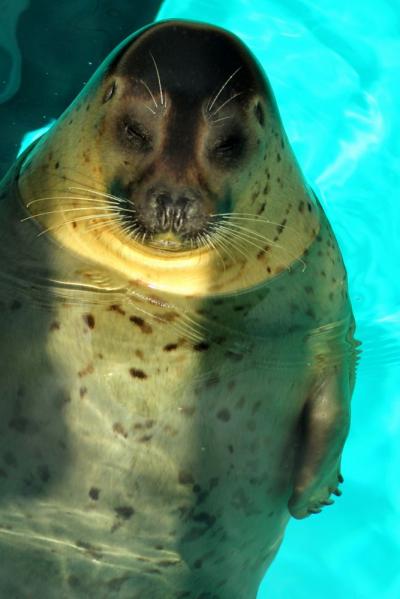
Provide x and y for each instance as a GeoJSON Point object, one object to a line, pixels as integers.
{"type": "Point", "coordinates": [167, 403]}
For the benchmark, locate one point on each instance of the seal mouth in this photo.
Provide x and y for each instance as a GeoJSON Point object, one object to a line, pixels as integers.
{"type": "Point", "coordinates": [170, 220]}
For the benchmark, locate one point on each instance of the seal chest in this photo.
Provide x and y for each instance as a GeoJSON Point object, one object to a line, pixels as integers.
{"type": "Point", "coordinates": [177, 354]}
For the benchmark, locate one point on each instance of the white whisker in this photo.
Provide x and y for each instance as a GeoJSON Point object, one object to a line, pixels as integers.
{"type": "Point", "coordinates": [159, 80]}
{"type": "Point", "coordinates": [150, 92]}
{"type": "Point", "coordinates": [211, 104]}
{"type": "Point", "coordinates": [227, 102]}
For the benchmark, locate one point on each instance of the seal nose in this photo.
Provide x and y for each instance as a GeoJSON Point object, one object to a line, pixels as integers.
{"type": "Point", "coordinates": [170, 209]}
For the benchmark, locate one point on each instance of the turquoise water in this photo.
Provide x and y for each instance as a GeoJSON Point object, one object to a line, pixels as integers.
{"type": "Point", "coordinates": [334, 69]}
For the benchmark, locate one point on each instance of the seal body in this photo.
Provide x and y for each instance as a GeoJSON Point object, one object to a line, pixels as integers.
{"type": "Point", "coordinates": [176, 343]}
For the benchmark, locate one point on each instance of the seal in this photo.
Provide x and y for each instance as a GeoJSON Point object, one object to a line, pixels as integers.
{"type": "Point", "coordinates": [177, 353]}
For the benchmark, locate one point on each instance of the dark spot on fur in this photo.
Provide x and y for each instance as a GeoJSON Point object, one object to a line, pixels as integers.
{"type": "Point", "coordinates": [301, 206]}
{"type": "Point", "coordinates": [202, 346]}
{"type": "Point", "coordinates": [90, 549]}
{"type": "Point", "coordinates": [224, 415]}
{"type": "Point", "coordinates": [310, 312]}
{"type": "Point", "coordinates": [94, 493]}
{"type": "Point", "coordinates": [142, 324]}
{"type": "Point", "coordinates": [119, 429]}
{"type": "Point", "coordinates": [55, 326]}
{"type": "Point", "coordinates": [204, 518]}
{"type": "Point", "coordinates": [124, 511]}
{"type": "Point", "coordinates": [89, 320]}
{"type": "Point", "coordinates": [261, 208]}
{"type": "Point", "coordinates": [88, 370]}
{"type": "Point", "coordinates": [57, 164]}
{"type": "Point", "coordinates": [165, 563]}
{"type": "Point", "coordinates": [117, 308]}
{"type": "Point", "coordinates": [309, 206]}
{"type": "Point", "coordinates": [281, 226]}
{"type": "Point", "coordinates": [136, 373]}
{"type": "Point", "coordinates": [230, 448]}
{"type": "Point", "coordinates": [278, 157]}
{"type": "Point", "coordinates": [308, 289]}
{"type": "Point", "coordinates": [82, 392]}
{"type": "Point", "coordinates": [170, 346]}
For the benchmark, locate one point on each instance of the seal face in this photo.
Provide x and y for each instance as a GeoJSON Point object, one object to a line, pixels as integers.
{"type": "Point", "coordinates": [186, 132]}
{"type": "Point", "coordinates": [177, 342]}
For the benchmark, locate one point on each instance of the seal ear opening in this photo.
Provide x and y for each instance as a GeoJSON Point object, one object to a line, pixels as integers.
{"type": "Point", "coordinates": [259, 113]}
{"type": "Point", "coordinates": [109, 92]}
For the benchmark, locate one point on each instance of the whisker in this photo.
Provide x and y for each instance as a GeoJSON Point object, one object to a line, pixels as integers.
{"type": "Point", "coordinates": [228, 240]}
{"type": "Point", "coordinates": [151, 110]}
{"type": "Point", "coordinates": [223, 118]}
{"type": "Point", "coordinates": [248, 232]}
{"type": "Point", "coordinates": [150, 92]}
{"type": "Point", "coordinates": [103, 194]}
{"type": "Point", "coordinates": [68, 222]}
{"type": "Point", "coordinates": [72, 198]}
{"type": "Point", "coordinates": [219, 242]}
{"type": "Point", "coordinates": [272, 243]}
{"type": "Point", "coordinates": [158, 77]}
{"type": "Point", "coordinates": [32, 216]}
{"type": "Point", "coordinates": [227, 102]}
{"type": "Point", "coordinates": [250, 218]}
{"type": "Point", "coordinates": [211, 104]}
{"type": "Point", "coordinates": [211, 244]}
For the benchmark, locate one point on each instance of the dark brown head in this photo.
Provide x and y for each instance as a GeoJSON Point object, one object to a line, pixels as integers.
{"type": "Point", "coordinates": [187, 107]}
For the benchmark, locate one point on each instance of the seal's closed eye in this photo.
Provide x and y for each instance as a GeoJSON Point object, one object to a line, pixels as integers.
{"type": "Point", "coordinates": [228, 148]}
{"type": "Point", "coordinates": [137, 136]}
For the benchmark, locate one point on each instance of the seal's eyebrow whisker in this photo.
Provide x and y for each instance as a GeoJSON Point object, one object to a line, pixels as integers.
{"type": "Point", "coordinates": [221, 119]}
{"type": "Point", "coordinates": [212, 102]}
{"type": "Point", "coordinates": [151, 110]}
{"type": "Point", "coordinates": [159, 80]}
{"type": "Point", "coordinates": [150, 92]}
{"type": "Point", "coordinates": [227, 102]}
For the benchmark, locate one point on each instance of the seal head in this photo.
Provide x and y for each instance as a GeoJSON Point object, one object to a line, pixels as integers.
{"type": "Point", "coordinates": [174, 160]}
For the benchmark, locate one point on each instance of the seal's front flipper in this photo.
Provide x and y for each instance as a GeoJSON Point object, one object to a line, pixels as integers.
{"type": "Point", "coordinates": [324, 427]}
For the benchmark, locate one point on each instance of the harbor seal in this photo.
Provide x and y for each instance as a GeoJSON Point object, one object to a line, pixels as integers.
{"type": "Point", "coordinates": [177, 354]}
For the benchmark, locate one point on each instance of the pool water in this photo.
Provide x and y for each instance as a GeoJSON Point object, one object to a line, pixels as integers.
{"type": "Point", "coordinates": [334, 69]}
